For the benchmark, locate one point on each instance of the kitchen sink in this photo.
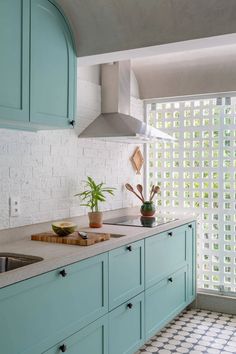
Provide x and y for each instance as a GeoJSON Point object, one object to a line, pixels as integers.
{"type": "Point", "coordinates": [116, 235]}
{"type": "Point", "coordinates": [10, 261]}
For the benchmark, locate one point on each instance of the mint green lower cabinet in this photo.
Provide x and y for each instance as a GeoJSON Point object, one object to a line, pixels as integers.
{"type": "Point", "coordinates": [93, 339]}
{"type": "Point", "coordinates": [39, 312]}
{"type": "Point", "coordinates": [126, 273]}
{"type": "Point", "coordinates": [164, 253]}
{"type": "Point", "coordinates": [102, 305]}
{"type": "Point", "coordinates": [165, 300]}
{"type": "Point", "coordinates": [191, 259]}
{"type": "Point", "coordinates": [126, 326]}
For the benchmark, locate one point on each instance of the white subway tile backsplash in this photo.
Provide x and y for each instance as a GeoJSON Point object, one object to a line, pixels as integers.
{"type": "Point", "coordinates": [19, 174]}
{"type": "Point", "coordinates": [3, 148]}
{"type": "Point", "coordinates": [4, 173]}
{"type": "Point", "coordinates": [45, 169]}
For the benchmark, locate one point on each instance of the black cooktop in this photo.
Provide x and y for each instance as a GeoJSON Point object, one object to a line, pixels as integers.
{"type": "Point", "coordinates": [141, 221]}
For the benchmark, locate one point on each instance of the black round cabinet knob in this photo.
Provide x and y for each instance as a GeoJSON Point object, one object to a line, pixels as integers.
{"type": "Point", "coordinates": [72, 122]}
{"type": "Point", "coordinates": [63, 273]}
{"type": "Point", "coordinates": [129, 248]}
{"type": "Point", "coordinates": [63, 348]}
{"type": "Point", "coordinates": [129, 305]}
{"type": "Point", "coordinates": [170, 233]}
{"type": "Point", "coordinates": [170, 280]}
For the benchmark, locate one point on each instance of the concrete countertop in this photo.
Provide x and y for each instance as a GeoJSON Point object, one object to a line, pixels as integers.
{"type": "Point", "coordinates": [59, 255]}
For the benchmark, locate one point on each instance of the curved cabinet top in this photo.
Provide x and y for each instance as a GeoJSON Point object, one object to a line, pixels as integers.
{"type": "Point", "coordinates": [14, 61]}
{"type": "Point", "coordinates": [53, 67]}
{"type": "Point", "coordinates": [37, 66]}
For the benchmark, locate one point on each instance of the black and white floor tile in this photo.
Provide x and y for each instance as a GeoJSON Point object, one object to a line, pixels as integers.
{"type": "Point", "coordinates": [195, 332]}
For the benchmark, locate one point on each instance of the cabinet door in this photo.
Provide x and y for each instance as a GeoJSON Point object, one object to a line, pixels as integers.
{"type": "Point", "coordinates": [93, 339]}
{"type": "Point", "coordinates": [35, 314]}
{"type": "Point", "coordinates": [165, 300]}
{"type": "Point", "coordinates": [14, 61]}
{"type": "Point", "coordinates": [52, 90]}
{"type": "Point", "coordinates": [191, 258]}
{"type": "Point", "coordinates": [164, 253]}
{"type": "Point", "coordinates": [126, 273]}
{"type": "Point", "coordinates": [126, 326]}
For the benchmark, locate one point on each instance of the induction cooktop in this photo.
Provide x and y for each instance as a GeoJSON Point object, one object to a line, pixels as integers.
{"type": "Point", "coordinates": [141, 221]}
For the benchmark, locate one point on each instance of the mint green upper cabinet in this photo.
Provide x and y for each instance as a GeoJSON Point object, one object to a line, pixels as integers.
{"type": "Point", "coordinates": [14, 61]}
{"type": "Point", "coordinates": [52, 68]}
{"type": "Point", "coordinates": [37, 66]}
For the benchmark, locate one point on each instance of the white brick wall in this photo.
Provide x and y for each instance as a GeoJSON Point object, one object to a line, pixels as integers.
{"type": "Point", "coordinates": [45, 169]}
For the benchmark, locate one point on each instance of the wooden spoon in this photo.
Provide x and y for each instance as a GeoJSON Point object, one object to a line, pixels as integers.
{"type": "Point", "coordinates": [155, 191]}
{"type": "Point", "coordinates": [140, 189]}
{"type": "Point", "coordinates": [130, 188]}
{"type": "Point", "coordinates": [151, 191]}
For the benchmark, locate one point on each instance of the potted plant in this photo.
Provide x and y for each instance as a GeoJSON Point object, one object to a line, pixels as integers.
{"type": "Point", "coordinates": [92, 196]}
{"type": "Point", "coordinates": [148, 207]}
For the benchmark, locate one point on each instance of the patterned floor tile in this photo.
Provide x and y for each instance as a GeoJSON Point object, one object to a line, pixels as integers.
{"type": "Point", "coordinates": [195, 332]}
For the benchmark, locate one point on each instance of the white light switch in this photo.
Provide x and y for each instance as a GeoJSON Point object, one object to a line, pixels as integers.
{"type": "Point", "coordinates": [14, 206]}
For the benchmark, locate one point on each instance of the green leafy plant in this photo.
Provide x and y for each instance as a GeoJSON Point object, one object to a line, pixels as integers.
{"type": "Point", "coordinates": [94, 194]}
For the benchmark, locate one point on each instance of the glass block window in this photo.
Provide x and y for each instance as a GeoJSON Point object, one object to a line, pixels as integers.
{"type": "Point", "coordinates": [197, 173]}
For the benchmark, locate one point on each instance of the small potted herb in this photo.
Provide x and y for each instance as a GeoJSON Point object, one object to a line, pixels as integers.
{"type": "Point", "coordinates": [91, 197]}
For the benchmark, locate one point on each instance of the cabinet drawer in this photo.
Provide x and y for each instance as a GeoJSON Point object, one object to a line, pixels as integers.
{"type": "Point", "coordinates": [126, 273]}
{"type": "Point", "coordinates": [126, 326]}
{"type": "Point", "coordinates": [52, 306]}
{"type": "Point", "coordinates": [164, 253]}
{"type": "Point", "coordinates": [165, 300]}
{"type": "Point", "coordinates": [93, 339]}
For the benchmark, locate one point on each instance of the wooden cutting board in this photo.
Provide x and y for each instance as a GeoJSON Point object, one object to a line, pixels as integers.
{"type": "Point", "coordinates": [73, 239]}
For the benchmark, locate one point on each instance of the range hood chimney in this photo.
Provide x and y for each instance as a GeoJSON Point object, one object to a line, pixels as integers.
{"type": "Point", "coordinates": [115, 122]}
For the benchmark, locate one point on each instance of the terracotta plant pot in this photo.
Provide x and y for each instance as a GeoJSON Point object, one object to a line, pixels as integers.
{"type": "Point", "coordinates": [95, 219]}
{"type": "Point", "coordinates": [148, 209]}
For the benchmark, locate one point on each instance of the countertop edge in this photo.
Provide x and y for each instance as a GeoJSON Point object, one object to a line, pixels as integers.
{"type": "Point", "coordinates": [72, 254]}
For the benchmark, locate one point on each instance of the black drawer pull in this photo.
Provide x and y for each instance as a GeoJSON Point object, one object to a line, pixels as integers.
{"type": "Point", "coordinates": [170, 280]}
{"type": "Point", "coordinates": [190, 226]}
{"type": "Point", "coordinates": [129, 305]}
{"type": "Point", "coordinates": [63, 273]}
{"type": "Point", "coordinates": [170, 234]}
{"type": "Point", "coordinates": [129, 248]}
{"type": "Point", "coordinates": [63, 348]}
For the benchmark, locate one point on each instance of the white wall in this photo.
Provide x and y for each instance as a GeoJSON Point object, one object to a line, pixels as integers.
{"type": "Point", "coordinates": [45, 169]}
{"type": "Point", "coordinates": [89, 73]}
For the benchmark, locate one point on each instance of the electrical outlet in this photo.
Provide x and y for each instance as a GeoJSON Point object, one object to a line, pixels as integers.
{"type": "Point", "coordinates": [14, 206]}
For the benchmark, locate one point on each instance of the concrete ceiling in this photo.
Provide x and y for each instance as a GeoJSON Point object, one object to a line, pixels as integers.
{"type": "Point", "coordinates": [181, 57]}
{"type": "Point", "coordinates": [189, 72]}
{"type": "Point", "coordinates": [106, 26]}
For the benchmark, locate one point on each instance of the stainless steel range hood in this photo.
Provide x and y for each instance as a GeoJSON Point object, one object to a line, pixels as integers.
{"type": "Point", "coordinates": [115, 122]}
